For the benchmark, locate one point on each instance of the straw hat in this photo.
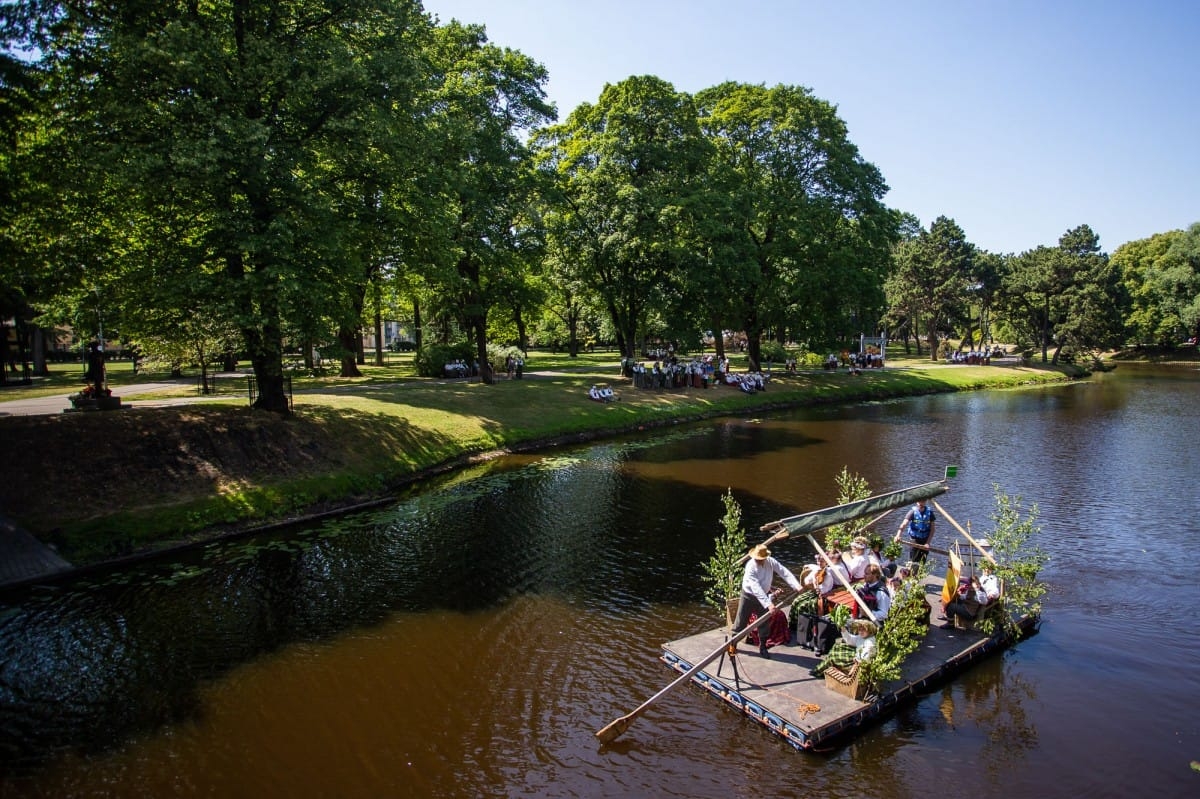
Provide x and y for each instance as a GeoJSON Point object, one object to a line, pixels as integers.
{"type": "Point", "coordinates": [760, 552]}
{"type": "Point", "coordinates": [864, 627]}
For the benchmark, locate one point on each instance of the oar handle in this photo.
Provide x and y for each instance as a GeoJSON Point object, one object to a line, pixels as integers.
{"type": "Point", "coordinates": [615, 728]}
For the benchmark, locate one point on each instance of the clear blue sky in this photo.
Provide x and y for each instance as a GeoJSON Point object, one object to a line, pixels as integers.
{"type": "Point", "coordinates": [1019, 120]}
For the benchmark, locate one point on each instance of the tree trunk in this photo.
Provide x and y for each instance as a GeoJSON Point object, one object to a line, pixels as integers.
{"type": "Point", "coordinates": [1045, 327]}
{"type": "Point", "coordinates": [38, 354]}
{"type": "Point", "coordinates": [378, 337]}
{"type": "Point", "coordinates": [573, 333]}
{"type": "Point", "coordinates": [347, 337]}
{"type": "Point", "coordinates": [417, 323]}
{"type": "Point", "coordinates": [522, 332]}
{"type": "Point", "coordinates": [479, 327]}
{"type": "Point", "coordinates": [718, 338]}
{"type": "Point", "coordinates": [266, 358]}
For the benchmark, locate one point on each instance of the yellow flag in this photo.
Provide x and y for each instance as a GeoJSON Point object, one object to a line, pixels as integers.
{"type": "Point", "coordinates": [953, 569]}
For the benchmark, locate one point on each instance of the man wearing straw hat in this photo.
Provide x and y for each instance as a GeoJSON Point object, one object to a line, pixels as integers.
{"type": "Point", "coordinates": [760, 572]}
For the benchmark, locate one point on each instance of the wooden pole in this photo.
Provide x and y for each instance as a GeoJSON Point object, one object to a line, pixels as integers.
{"type": "Point", "coordinates": [870, 613]}
{"type": "Point", "coordinates": [615, 728]}
{"type": "Point", "coordinates": [779, 536]}
{"type": "Point", "coordinates": [910, 543]}
{"type": "Point", "coordinates": [958, 527]}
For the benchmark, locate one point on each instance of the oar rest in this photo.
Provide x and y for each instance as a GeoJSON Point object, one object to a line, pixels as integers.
{"type": "Point", "coordinates": [969, 624]}
{"type": "Point", "coordinates": [845, 683]}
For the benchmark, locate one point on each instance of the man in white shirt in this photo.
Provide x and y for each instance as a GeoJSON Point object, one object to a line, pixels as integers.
{"type": "Point", "coordinates": [757, 578]}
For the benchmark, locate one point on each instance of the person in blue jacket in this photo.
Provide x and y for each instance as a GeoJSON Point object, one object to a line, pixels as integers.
{"type": "Point", "coordinates": [918, 522]}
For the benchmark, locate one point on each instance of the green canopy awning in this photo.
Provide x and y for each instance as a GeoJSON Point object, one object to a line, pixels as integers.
{"type": "Point", "coordinates": [839, 514]}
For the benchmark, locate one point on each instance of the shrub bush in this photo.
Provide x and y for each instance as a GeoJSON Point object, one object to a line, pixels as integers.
{"type": "Point", "coordinates": [431, 360]}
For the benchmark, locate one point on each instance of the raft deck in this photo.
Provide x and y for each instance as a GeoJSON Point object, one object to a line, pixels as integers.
{"type": "Point", "coordinates": [780, 694]}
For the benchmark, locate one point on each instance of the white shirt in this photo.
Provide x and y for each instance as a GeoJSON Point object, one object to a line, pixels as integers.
{"type": "Point", "coordinates": [758, 576]}
{"type": "Point", "coordinates": [856, 565]}
{"type": "Point", "coordinates": [831, 582]}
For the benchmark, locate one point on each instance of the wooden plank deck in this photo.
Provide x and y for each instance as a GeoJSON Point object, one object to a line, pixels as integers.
{"type": "Point", "coordinates": [782, 696]}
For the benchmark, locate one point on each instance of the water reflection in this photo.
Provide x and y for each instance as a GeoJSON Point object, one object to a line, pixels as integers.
{"type": "Point", "coordinates": [469, 640]}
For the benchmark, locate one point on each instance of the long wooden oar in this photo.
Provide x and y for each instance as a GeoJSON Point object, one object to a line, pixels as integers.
{"type": "Point", "coordinates": [614, 729]}
{"type": "Point", "coordinates": [910, 543]}
{"type": "Point", "coordinates": [958, 527]}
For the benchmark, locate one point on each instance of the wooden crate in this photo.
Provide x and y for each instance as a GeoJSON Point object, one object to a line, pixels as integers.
{"type": "Point", "coordinates": [847, 685]}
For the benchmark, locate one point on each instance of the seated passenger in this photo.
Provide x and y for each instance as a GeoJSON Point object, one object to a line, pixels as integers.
{"type": "Point", "coordinates": [857, 645]}
{"type": "Point", "coordinates": [874, 594]}
{"type": "Point", "coordinates": [856, 562]}
{"type": "Point", "coordinates": [971, 597]}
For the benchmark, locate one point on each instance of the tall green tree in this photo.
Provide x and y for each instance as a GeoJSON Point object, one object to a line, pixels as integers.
{"type": "Point", "coordinates": [1066, 296]}
{"type": "Point", "coordinates": [487, 100]}
{"type": "Point", "coordinates": [931, 279]}
{"type": "Point", "coordinates": [801, 238]}
{"type": "Point", "coordinates": [1162, 276]}
{"type": "Point", "coordinates": [626, 169]}
{"type": "Point", "coordinates": [233, 131]}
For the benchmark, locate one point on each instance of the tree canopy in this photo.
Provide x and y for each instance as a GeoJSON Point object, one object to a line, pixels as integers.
{"type": "Point", "coordinates": [226, 175]}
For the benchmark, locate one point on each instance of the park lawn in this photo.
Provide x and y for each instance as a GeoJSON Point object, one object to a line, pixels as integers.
{"type": "Point", "coordinates": [192, 472]}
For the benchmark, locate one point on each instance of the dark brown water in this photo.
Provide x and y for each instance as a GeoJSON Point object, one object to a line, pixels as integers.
{"type": "Point", "coordinates": [470, 640]}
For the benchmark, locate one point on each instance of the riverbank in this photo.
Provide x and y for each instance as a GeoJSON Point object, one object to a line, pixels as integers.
{"type": "Point", "coordinates": [97, 486]}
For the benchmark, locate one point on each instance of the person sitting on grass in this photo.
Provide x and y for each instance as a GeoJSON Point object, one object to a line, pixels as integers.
{"type": "Point", "coordinates": [595, 394]}
{"type": "Point", "coordinates": [607, 394]}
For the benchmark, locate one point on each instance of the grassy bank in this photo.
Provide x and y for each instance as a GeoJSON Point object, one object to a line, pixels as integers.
{"type": "Point", "coordinates": [99, 485]}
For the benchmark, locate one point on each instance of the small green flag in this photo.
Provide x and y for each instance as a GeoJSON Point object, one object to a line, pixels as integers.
{"type": "Point", "coordinates": [951, 471]}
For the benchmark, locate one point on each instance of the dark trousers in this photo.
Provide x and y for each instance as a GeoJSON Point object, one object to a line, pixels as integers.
{"type": "Point", "coordinates": [918, 555]}
{"type": "Point", "coordinates": [749, 605]}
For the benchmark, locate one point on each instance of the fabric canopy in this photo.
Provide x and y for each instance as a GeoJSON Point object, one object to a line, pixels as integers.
{"type": "Point", "coordinates": [839, 514]}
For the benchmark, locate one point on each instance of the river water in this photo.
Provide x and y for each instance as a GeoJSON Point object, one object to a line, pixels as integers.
{"type": "Point", "coordinates": [469, 640]}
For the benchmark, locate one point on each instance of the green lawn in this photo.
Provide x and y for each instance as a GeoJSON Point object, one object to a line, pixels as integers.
{"type": "Point", "coordinates": [351, 440]}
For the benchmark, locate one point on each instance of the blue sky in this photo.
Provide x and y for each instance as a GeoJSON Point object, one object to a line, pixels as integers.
{"type": "Point", "coordinates": [1019, 120]}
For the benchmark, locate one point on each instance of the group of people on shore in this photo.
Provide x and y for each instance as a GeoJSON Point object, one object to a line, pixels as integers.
{"type": "Point", "coordinates": [602, 394]}
{"type": "Point", "coordinates": [673, 373]}
{"type": "Point", "coordinates": [971, 357]}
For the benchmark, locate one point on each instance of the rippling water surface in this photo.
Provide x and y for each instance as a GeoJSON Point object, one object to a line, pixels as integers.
{"type": "Point", "coordinates": [469, 640]}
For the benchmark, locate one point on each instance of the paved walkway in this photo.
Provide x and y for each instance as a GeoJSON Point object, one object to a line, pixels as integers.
{"type": "Point", "coordinates": [57, 403]}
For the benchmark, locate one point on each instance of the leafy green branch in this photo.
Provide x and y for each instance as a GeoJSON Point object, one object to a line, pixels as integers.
{"type": "Point", "coordinates": [851, 488]}
{"type": "Point", "coordinates": [723, 570]}
{"type": "Point", "coordinates": [1017, 565]}
{"type": "Point", "coordinates": [906, 626]}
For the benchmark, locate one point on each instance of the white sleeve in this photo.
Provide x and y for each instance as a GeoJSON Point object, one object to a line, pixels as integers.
{"type": "Point", "coordinates": [787, 576]}
{"type": "Point", "coordinates": [883, 605]}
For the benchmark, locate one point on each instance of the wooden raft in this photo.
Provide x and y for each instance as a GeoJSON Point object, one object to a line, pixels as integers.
{"type": "Point", "coordinates": [782, 696]}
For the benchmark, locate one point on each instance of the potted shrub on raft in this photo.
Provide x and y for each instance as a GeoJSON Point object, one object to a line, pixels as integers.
{"type": "Point", "coordinates": [723, 571]}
